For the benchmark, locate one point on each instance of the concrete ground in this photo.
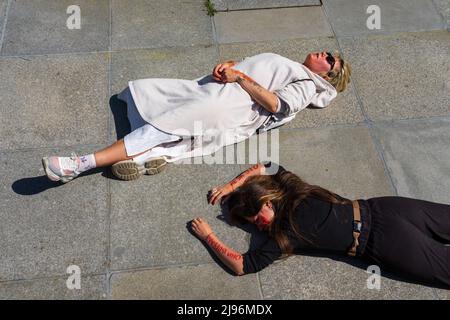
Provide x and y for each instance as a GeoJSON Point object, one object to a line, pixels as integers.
{"type": "Point", "coordinates": [388, 134]}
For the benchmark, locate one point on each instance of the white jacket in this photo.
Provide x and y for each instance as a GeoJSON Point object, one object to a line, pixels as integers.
{"type": "Point", "coordinates": [226, 112]}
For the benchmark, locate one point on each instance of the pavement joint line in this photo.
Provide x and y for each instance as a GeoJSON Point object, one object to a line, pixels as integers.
{"type": "Point", "coordinates": [271, 8]}
{"type": "Point", "coordinates": [52, 147]}
{"type": "Point", "coordinates": [108, 182]}
{"type": "Point", "coordinates": [327, 126]}
{"type": "Point", "coordinates": [8, 6]}
{"type": "Point", "coordinates": [387, 34]}
{"type": "Point", "coordinates": [122, 50]}
{"type": "Point", "coordinates": [216, 43]}
{"type": "Point", "coordinates": [53, 277]}
{"type": "Point", "coordinates": [258, 278]}
{"type": "Point", "coordinates": [110, 26]}
{"type": "Point", "coordinates": [367, 121]}
{"type": "Point", "coordinates": [163, 266]}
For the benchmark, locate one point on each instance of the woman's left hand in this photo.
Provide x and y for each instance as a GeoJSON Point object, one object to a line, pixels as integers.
{"type": "Point", "coordinates": [201, 228]}
{"type": "Point", "coordinates": [229, 75]}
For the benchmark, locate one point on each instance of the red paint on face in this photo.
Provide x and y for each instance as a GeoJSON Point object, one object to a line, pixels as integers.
{"type": "Point", "coordinates": [264, 218]}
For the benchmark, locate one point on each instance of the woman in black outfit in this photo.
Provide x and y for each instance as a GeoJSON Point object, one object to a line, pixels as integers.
{"type": "Point", "coordinates": [406, 236]}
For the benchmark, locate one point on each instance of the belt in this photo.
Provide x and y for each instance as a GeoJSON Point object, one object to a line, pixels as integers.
{"type": "Point", "coordinates": [357, 226]}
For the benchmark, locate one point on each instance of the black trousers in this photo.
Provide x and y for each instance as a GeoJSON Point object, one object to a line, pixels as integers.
{"type": "Point", "coordinates": [411, 238]}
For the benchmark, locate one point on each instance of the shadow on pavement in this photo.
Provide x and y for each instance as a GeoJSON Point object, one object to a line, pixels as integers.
{"type": "Point", "coordinates": [35, 185]}
{"type": "Point", "coordinates": [119, 112]}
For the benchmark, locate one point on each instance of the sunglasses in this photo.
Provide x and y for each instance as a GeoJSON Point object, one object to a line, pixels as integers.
{"type": "Point", "coordinates": [331, 60]}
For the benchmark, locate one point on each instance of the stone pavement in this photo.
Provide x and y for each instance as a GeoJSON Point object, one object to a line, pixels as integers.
{"type": "Point", "coordinates": [388, 134]}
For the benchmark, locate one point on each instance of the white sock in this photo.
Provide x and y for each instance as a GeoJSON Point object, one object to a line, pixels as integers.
{"type": "Point", "coordinates": [87, 162]}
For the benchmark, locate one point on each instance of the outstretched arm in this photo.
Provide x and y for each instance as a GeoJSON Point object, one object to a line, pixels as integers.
{"type": "Point", "coordinates": [232, 259]}
{"type": "Point", "coordinates": [218, 193]}
{"type": "Point", "coordinates": [264, 97]}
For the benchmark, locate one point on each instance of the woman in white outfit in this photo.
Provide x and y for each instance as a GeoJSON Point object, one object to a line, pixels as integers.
{"type": "Point", "coordinates": [173, 119]}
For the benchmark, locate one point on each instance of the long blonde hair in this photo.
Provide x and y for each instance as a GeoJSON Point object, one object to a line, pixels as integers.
{"type": "Point", "coordinates": [340, 79]}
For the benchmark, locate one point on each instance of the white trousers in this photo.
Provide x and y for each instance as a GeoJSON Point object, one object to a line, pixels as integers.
{"type": "Point", "coordinates": [144, 136]}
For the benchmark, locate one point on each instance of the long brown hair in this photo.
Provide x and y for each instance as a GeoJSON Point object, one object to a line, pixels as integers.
{"type": "Point", "coordinates": [285, 190]}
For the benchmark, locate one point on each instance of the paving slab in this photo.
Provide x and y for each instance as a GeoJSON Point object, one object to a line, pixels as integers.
{"type": "Point", "coordinates": [149, 216]}
{"type": "Point", "coordinates": [305, 277]}
{"type": "Point", "coordinates": [344, 109]}
{"type": "Point", "coordinates": [92, 288]}
{"type": "Point", "coordinates": [180, 63]}
{"type": "Point", "coordinates": [349, 17]}
{"type": "Point", "coordinates": [53, 100]}
{"type": "Point", "coordinates": [154, 24]}
{"type": "Point", "coordinates": [200, 282]}
{"type": "Point", "coordinates": [41, 26]}
{"type": "Point", "coordinates": [341, 159]}
{"type": "Point", "coordinates": [443, 7]}
{"type": "Point", "coordinates": [271, 24]}
{"type": "Point", "coordinates": [401, 76]}
{"type": "Point", "coordinates": [418, 157]}
{"type": "Point", "coordinates": [228, 5]}
{"type": "Point", "coordinates": [47, 227]}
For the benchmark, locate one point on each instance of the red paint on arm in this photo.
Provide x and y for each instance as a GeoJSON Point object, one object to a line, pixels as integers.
{"type": "Point", "coordinates": [219, 248]}
{"type": "Point", "coordinates": [240, 179]}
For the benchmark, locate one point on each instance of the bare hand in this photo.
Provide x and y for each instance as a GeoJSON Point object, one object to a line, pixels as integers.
{"type": "Point", "coordinates": [201, 228]}
{"type": "Point", "coordinates": [219, 193]}
{"type": "Point", "coordinates": [218, 69]}
{"type": "Point", "coordinates": [230, 75]}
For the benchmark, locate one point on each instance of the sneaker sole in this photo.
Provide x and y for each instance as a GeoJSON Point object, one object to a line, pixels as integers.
{"type": "Point", "coordinates": [129, 170]}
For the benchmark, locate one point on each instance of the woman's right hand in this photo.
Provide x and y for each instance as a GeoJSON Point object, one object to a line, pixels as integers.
{"type": "Point", "coordinates": [217, 71]}
{"type": "Point", "coordinates": [219, 193]}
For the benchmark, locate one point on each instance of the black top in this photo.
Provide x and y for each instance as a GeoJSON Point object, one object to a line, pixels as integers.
{"type": "Point", "coordinates": [325, 227]}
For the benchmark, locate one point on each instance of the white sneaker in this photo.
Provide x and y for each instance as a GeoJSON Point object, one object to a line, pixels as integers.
{"type": "Point", "coordinates": [131, 169]}
{"type": "Point", "coordinates": [62, 169]}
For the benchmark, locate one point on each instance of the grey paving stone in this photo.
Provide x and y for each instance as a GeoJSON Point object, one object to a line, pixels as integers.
{"type": "Point", "coordinates": [344, 109]}
{"type": "Point", "coordinates": [47, 227]}
{"type": "Point", "coordinates": [443, 7]}
{"type": "Point", "coordinates": [149, 216]}
{"type": "Point", "coordinates": [402, 76]}
{"type": "Point", "coordinates": [349, 17]}
{"type": "Point", "coordinates": [180, 63]}
{"type": "Point", "coordinates": [271, 24]}
{"type": "Point", "coordinates": [305, 277]}
{"type": "Point", "coordinates": [225, 5]}
{"type": "Point", "coordinates": [201, 282]}
{"type": "Point", "coordinates": [153, 24]}
{"type": "Point", "coordinates": [92, 288]}
{"type": "Point", "coordinates": [40, 26]}
{"type": "Point", "coordinates": [57, 100]}
{"type": "Point", "coordinates": [342, 160]}
{"type": "Point", "coordinates": [418, 156]}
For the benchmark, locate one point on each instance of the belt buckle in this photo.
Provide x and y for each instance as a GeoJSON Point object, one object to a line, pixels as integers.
{"type": "Point", "coordinates": [357, 226]}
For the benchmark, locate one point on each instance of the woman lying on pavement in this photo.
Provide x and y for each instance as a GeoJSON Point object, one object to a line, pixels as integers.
{"type": "Point", "coordinates": [406, 236]}
{"type": "Point", "coordinates": [174, 119]}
